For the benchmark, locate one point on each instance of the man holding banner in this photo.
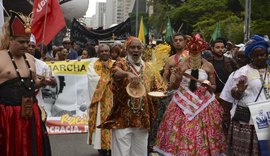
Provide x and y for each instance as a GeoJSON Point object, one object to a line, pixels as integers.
{"type": "Point", "coordinates": [251, 85]}
{"type": "Point", "coordinates": [99, 76]}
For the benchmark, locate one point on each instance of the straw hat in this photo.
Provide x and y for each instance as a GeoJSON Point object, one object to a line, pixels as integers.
{"type": "Point", "coordinates": [135, 89]}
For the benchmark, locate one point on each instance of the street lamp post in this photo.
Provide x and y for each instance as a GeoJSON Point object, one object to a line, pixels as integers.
{"type": "Point", "coordinates": [137, 18]}
{"type": "Point", "coordinates": [247, 20]}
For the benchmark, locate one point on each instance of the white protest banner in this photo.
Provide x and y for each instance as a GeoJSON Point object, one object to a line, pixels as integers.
{"type": "Point", "coordinates": [260, 113]}
{"type": "Point", "coordinates": [66, 104]}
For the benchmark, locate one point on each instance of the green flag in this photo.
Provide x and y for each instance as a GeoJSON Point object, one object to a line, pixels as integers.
{"type": "Point", "coordinates": [216, 33]}
{"type": "Point", "coordinates": [169, 31]}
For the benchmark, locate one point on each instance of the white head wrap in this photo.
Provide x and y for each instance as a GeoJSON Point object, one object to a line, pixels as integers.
{"type": "Point", "coordinates": [32, 39]}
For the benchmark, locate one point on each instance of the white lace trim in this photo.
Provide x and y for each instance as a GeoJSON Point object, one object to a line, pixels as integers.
{"type": "Point", "coordinates": [190, 115]}
{"type": "Point", "coordinates": [161, 151]}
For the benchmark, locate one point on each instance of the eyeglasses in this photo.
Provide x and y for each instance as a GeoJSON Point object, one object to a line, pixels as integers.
{"type": "Point", "coordinates": [66, 42]}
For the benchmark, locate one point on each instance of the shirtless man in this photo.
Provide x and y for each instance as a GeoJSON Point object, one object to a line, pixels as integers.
{"type": "Point", "coordinates": [179, 44]}
{"type": "Point", "coordinates": [21, 129]}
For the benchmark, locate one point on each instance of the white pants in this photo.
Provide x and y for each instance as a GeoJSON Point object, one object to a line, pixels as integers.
{"type": "Point", "coordinates": [129, 142]}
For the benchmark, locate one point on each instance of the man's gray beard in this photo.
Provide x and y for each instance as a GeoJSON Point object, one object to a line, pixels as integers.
{"type": "Point", "coordinates": [130, 59]}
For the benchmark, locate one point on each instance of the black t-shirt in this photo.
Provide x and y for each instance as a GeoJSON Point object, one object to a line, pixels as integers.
{"type": "Point", "coordinates": [220, 75]}
{"type": "Point", "coordinates": [223, 69]}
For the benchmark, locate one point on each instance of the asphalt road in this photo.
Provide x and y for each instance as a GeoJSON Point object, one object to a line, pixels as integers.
{"type": "Point", "coordinates": [71, 145]}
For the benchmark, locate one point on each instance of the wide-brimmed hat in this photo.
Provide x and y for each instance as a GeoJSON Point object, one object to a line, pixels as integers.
{"type": "Point", "coordinates": [135, 89]}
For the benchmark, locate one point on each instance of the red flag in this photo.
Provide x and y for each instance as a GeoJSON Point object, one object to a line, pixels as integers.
{"type": "Point", "coordinates": [51, 18]}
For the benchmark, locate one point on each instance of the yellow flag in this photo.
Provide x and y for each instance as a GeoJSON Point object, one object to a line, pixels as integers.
{"type": "Point", "coordinates": [141, 31]}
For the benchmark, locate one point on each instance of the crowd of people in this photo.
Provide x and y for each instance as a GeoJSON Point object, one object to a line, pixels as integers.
{"type": "Point", "coordinates": [206, 88]}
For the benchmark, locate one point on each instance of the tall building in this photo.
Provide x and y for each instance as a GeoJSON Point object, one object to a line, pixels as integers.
{"type": "Point", "coordinates": [118, 11]}
{"type": "Point", "coordinates": [87, 21]}
{"type": "Point", "coordinates": [100, 14]}
{"type": "Point", "coordinates": [141, 6]}
{"type": "Point", "coordinates": [111, 7]}
{"type": "Point", "coordinates": [93, 22]}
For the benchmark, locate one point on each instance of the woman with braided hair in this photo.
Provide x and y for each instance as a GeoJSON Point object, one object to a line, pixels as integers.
{"type": "Point", "coordinates": [192, 122]}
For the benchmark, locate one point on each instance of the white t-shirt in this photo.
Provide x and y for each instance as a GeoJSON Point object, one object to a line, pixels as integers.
{"type": "Point", "coordinates": [254, 85]}
{"type": "Point", "coordinates": [41, 67]}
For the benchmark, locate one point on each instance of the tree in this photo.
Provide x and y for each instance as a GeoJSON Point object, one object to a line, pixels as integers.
{"type": "Point", "coordinates": [201, 16]}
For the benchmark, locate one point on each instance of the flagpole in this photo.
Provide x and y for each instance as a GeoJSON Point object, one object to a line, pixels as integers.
{"type": "Point", "coordinates": [45, 21]}
{"type": "Point", "coordinates": [4, 9]}
{"type": "Point", "coordinates": [247, 20]}
{"type": "Point", "coordinates": [137, 9]}
{"type": "Point", "coordinates": [180, 28]}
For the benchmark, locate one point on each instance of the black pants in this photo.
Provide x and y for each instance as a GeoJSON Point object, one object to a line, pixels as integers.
{"type": "Point", "coordinates": [103, 152]}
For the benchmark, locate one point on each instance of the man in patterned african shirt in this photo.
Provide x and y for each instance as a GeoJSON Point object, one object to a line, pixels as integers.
{"type": "Point", "coordinates": [130, 117]}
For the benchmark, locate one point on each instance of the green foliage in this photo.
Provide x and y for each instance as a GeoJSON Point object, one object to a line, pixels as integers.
{"type": "Point", "coordinates": [260, 27]}
{"type": "Point", "coordinates": [201, 16]}
{"type": "Point", "coordinates": [233, 29]}
{"type": "Point", "coordinates": [260, 9]}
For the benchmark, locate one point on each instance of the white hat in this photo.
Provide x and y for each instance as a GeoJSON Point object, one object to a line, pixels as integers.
{"type": "Point", "coordinates": [240, 45]}
{"type": "Point", "coordinates": [66, 39]}
{"type": "Point", "coordinates": [32, 39]}
{"type": "Point", "coordinates": [229, 42]}
{"type": "Point", "coordinates": [117, 43]}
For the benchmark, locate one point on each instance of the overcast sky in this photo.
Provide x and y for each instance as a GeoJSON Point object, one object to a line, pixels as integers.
{"type": "Point", "coordinates": [92, 7]}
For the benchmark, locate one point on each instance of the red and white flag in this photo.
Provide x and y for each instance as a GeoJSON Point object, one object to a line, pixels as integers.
{"type": "Point", "coordinates": [47, 20]}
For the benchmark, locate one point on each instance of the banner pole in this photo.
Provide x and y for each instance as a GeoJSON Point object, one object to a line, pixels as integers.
{"type": "Point", "coordinates": [45, 21]}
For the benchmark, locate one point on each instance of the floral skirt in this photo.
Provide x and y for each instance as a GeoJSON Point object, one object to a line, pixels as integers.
{"type": "Point", "coordinates": [203, 135]}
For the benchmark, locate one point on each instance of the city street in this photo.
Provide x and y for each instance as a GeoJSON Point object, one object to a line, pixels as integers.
{"type": "Point", "coordinates": [71, 145]}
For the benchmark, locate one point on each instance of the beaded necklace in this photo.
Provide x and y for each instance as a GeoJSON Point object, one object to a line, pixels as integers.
{"type": "Point", "coordinates": [195, 61]}
{"type": "Point", "coordinates": [132, 101]}
{"type": "Point", "coordinates": [18, 73]}
{"type": "Point", "coordinates": [264, 84]}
